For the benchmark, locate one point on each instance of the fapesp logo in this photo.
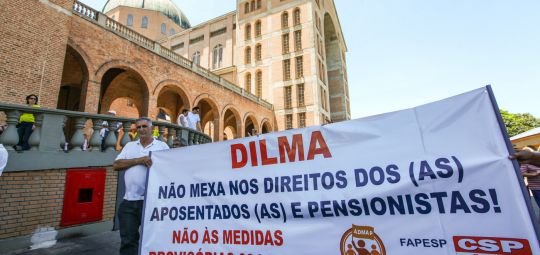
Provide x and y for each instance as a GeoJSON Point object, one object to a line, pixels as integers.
{"type": "Point", "coordinates": [491, 245]}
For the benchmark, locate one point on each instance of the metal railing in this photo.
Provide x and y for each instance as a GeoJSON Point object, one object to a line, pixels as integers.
{"type": "Point", "coordinates": [102, 20]}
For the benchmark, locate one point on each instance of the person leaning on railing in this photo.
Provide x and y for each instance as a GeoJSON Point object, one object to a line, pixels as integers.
{"type": "Point", "coordinates": [26, 124]}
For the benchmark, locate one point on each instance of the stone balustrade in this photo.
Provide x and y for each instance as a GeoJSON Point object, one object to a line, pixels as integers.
{"type": "Point", "coordinates": [84, 10]}
{"type": "Point", "coordinates": [63, 139]}
{"type": "Point", "coordinates": [129, 33]}
{"type": "Point", "coordinates": [175, 57]}
{"type": "Point", "coordinates": [101, 19]}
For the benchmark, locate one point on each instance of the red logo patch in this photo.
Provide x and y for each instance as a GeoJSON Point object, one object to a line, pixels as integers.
{"type": "Point", "coordinates": [491, 245]}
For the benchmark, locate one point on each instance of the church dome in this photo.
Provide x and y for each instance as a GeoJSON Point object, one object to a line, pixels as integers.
{"type": "Point", "coordinates": [166, 7]}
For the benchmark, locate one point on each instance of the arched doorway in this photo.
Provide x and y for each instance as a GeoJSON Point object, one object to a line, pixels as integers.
{"type": "Point", "coordinates": [209, 115]}
{"type": "Point", "coordinates": [74, 81]}
{"type": "Point", "coordinates": [335, 72]}
{"type": "Point", "coordinates": [171, 101]}
{"type": "Point", "coordinates": [251, 127]}
{"type": "Point", "coordinates": [127, 85]}
{"type": "Point", "coordinates": [231, 124]}
{"type": "Point", "coordinates": [265, 127]}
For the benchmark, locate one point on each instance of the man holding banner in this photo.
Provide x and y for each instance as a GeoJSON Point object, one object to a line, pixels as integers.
{"type": "Point", "coordinates": [135, 159]}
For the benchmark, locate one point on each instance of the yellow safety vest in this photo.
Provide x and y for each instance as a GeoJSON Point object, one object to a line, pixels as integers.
{"type": "Point", "coordinates": [28, 117]}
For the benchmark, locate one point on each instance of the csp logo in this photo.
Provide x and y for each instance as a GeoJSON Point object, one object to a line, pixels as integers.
{"type": "Point", "coordinates": [491, 245]}
{"type": "Point", "coordinates": [361, 240]}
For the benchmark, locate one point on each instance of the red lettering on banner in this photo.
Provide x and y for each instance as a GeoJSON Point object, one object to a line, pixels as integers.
{"type": "Point", "coordinates": [492, 245]}
{"type": "Point", "coordinates": [317, 138]}
{"type": "Point", "coordinates": [242, 149]}
{"type": "Point", "coordinates": [253, 237]}
{"type": "Point", "coordinates": [264, 154]}
{"type": "Point", "coordinates": [253, 153]}
{"type": "Point", "coordinates": [176, 237]}
{"type": "Point", "coordinates": [297, 147]}
{"type": "Point", "coordinates": [287, 150]}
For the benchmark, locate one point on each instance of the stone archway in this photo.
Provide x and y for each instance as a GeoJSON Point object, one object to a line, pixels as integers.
{"type": "Point", "coordinates": [231, 124]}
{"type": "Point", "coordinates": [74, 81]}
{"type": "Point", "coordinates": [266, 127]}
{"type": "Point", "coordinates": [209, 114]}
{"type": "Point", "coordinates": [124, 83]}
{"type": "Point", "coordinates": [335, 72]}
{"type": "Point", "coordinates": [251, 126]}
{"type": "Point", "coordinates": [172, 99]}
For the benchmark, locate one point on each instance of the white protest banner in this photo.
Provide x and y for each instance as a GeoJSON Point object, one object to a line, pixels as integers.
{"type": "Point", "coordinates": [432, 180]}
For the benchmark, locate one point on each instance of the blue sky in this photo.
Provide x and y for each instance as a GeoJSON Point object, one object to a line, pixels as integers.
{"type": "Point", "coordinates": [403, 53]}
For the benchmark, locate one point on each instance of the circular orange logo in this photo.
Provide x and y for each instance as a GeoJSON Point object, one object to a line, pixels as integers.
{"type": "Point", "coordinates": [361, 240]}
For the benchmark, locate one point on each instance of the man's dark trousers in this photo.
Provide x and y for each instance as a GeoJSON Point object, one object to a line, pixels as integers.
{"type": "Point", "coordinates": [129, 216]}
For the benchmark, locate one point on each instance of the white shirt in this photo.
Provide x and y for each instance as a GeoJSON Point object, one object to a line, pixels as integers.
{"type": "Point", "coordinates": [183, 120]}
{"type": "Point", "coordinates": [193, 118]}
{"type": "Point", "coordinates": [102, 132]}
{"type": "Point", "coordinates": [3, 158]}
{"type": "Point", "coordinates": [135, 176]}
{"type": "Point", "coordinates": [105, 125]}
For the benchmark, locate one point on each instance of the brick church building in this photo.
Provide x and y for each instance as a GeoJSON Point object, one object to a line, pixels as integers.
{"type": "Point", "coordinates": [269, 65]}
{"type": "Point", "coordinates": [289, 53]}
{"type": "Point", "coordinates": [281, 54]}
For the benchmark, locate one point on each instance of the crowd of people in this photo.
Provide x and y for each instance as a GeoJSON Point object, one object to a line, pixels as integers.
{"type": "Point", "coordinates": [188, 119]}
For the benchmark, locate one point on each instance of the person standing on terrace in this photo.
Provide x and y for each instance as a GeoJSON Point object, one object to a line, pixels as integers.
{"type": "Point", "coordinates": [194, 120]}
{"type": "Point", "coordinates": [183, 118]}
{"type": "Point", "coordinates": [26, 124]}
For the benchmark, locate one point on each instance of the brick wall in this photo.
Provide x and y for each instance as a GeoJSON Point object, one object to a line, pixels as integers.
{"type": "Point", "coordinates": [34, 199]}
{"type": "Point", "coordinates": [32, 54]}
{"type": "Point", "coordinates": [109, 199]}
{"type": "Point", "coordinates": [67, 4]}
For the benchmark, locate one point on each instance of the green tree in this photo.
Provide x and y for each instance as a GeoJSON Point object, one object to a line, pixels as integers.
{"type": "Point", "coordinates": [517, 123]}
